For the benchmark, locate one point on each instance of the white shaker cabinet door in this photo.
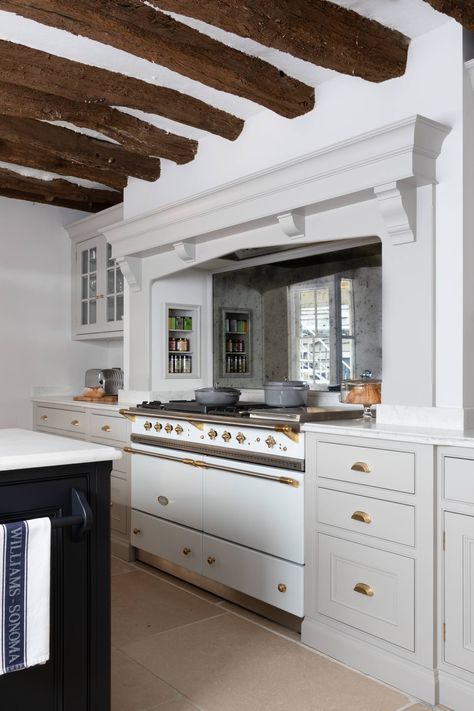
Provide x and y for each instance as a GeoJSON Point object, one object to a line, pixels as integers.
{"type": "Point", "coordinates": [459, 591]}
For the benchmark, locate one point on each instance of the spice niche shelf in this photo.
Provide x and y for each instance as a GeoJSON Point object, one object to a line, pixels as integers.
{"type": "Point", "coordinates": [236, 343]}
{"type": "Point", "coordinates": [182, 323]}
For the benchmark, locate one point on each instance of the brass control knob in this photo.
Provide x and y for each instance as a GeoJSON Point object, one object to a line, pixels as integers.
{"type": "Point", "coordinates": [186, 551]}
{"type": "Point", "coordinates": [270, 442]}
{"type": "Point", "coordinates": [226, 436]}
{"type": "Point", "coordinates": [147, 425]}
{"type": "Point", "coordinates": [211, 560]}
{"type": "Point", "coordinates": [281, 587]}
{"type": "Point", "coordinates": [178, 429]}
{"type": "Point", "coordinates": [168, 427]}
{"type": "Point", "coordinates": [136, 531]}
{"type": "Point", "coordinates": [240, 437]}
{"type": "Point", "coordinates": [212, 434]}
{"type": "Point", "coordinates": [158, 427]}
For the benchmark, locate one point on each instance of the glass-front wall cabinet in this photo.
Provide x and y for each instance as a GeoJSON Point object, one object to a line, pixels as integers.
{"type": "Point", "coordinates": [98, 291]}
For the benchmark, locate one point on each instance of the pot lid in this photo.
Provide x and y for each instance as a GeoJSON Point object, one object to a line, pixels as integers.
{"type": "Point", "coordinates": [281, 384]}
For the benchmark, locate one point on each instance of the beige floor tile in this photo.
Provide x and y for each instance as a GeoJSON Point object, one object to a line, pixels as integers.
{"type": "Point", "coordinates": [203, 594]}
{"type": "Point", "coordinates": [143, 605]}
{"type": "Point", "coordinates": [134, 688]}
{"type": "Point", "coordinates": [230, 664]}
{"type": "Point", "coordinates": [268, 624]}
{"type": "Point", "coordinates": [118, 567]}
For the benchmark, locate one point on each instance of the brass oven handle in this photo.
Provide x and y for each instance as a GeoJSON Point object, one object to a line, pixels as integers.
{"type": "Point", "coordinates": [289, 481]}
{"type": "Point", "coordinates": [361, 516]}
{"type": "Point", "coordinates": [361, 467]}
{"type": "Point", "coordinates": [364, 589]}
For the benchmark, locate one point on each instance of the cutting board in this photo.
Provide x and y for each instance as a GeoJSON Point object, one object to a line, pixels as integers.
{"type": "Point", "coordinates": [106, 399]}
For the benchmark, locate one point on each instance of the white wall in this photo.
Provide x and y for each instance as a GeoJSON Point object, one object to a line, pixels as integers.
{"type": "Point", "coordinates": [35, 310]}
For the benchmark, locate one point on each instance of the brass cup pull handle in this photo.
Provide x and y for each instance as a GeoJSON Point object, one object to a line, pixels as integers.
{"type": "Point", "coordinates": [361, 467]}
{"type": "Point", "coordinates": [211, 560]}
{"type": "Point", "coordinates": [163, 500]}
{"type": "Point", "coordinates": [361, 516]}
{"type": "Point", "coordinates": [136, 531]}
{"type": "Point", "coordinates": [75, 423]}
{"type": "Point", "coordinates": [364, 589]}
{"type": "Point", "coordinates": [106, 428]}
{"type": "Point", "coordinates": [44, 417]}
{"type": "Point", "coordinates": [281, 587]}
{"type": "Point", "coordinates": [186, 551]}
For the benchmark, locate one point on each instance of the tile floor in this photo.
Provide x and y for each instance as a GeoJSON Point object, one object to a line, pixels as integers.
{"type": "Point", "coordinates": [178, 648]}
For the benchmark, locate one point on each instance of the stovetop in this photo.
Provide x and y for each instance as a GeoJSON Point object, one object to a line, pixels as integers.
{"type": "Point", "coordinates": [251, 411]}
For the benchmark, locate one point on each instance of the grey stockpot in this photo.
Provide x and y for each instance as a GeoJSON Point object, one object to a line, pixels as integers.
{"type": "Point", "coordinates": [286, 393]}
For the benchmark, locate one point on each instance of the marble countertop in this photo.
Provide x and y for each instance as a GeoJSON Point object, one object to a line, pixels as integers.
{"type": "Point", "coordinates": [371, 429]}
{"type": "Point", "coordinates": [67, 401]}
{"type": "Point", "coordinates": [24, 449]}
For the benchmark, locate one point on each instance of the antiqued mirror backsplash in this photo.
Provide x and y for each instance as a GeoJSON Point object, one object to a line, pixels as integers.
{"type": "Point", "coordinates": [316, 318]}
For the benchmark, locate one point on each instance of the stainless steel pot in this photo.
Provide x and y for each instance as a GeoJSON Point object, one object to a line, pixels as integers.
{"type": "Point", "coordinates": [217, 397]}
{"type": "Point", "coordinates": [286, 393]}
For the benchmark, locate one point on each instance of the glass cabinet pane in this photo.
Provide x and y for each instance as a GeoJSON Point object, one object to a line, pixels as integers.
{"type": "Point", "coordinates": [110, 260]}
{"type": "Point", "coordinates": [84, 288]}
{"type": "Point", "coordinates": [120, 307]}
{"type": "Point", "coordinates": [84, 261]}
{"type": "Point", "coordinates": [84, 310]}
{"type": "Point", "coordinates": [92, 286]}
{"type": "Point", "coordinates": [92, 311]}
{"type": "Point", "coordinates": [110, 308]}
{"type": "Point", "coordinates": [110, 281]}
{"type": "Point", "coordinates": [92, 259]}
{"type": "Point", "coordinates": [119, 280]}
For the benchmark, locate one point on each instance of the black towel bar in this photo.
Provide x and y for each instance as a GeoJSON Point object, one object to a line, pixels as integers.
{"type": "Point", "coordinates": [81, 519]}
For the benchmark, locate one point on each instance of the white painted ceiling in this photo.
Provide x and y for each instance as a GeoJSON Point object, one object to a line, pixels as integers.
{"type": "Point", "coordinates": [411, 17]}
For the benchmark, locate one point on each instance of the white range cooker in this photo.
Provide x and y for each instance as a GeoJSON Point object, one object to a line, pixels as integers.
{"type": "Point", "coordinates": [219, 493]}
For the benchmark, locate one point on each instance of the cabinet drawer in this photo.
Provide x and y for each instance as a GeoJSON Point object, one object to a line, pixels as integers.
{"type": "Point", "coordinates": [67, 420]}
{"type": "Point", "coordinates": [119, 490]}
{"type": "Point", "coordinates": [459, 479]}
{"type": "Point", "coordinates": [243, 509]}
{"type": "Point", "coordinates": [272, 580]}
{"type": "Point", "coordinates": [167, 540]}
{"type": "Point", "coordinates": [388, 610]}
{"type": "Point", "coordinates": [167, 489]}
{"type": "Point", "coordinates": [109, 427]}
{"type": "Point", "coordinates": [363, 514]}
{"type": "Point", "coordinates": [387, 469]}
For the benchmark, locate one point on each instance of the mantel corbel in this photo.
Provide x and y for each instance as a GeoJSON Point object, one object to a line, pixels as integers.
{"type": "Point", "coordinates": [186, 251]}
{"type": "Point", "coordinates": [292, 224]}
{"type": "Point", "coordinates": [131, 268]}
{"type": "Point", "coordinates": [397, 205]}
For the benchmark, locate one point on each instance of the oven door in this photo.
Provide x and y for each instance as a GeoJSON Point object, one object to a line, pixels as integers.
{"type": "Point", "coordinates": [255, 506]}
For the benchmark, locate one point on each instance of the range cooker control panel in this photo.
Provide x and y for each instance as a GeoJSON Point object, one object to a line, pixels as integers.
{"type": "Point", "coordinates": [279, 441]}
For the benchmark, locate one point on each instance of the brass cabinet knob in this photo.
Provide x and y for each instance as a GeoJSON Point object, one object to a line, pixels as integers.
{"type": "Point", "coordinates": [163, 500]}
{"type": "Point", "coordinates": [226, 436]}
{"type": "Point", "coordinates": [44, 417]}
{"type": "Point", "coordinates": [168, 427]}
{"type": "Point", "coordinates": [136, 531]}
{"type": "Point", "coordinates": [178, 429]}
{"type": "Point", "coordinates": [270, 442]}
{"type": "Point", "coordinates": [212, 434]}
{"type": "Point", "coordinates": [361, 516]}
{"type": "Point", "coordinates": [211, 560]}
{"type": "Point", "coordinates": [240, 437]}
{"type": "Point", "coordinates": [364, 589]}
{"type": "Point", "coordinates": [106, 428]}
{"type": "Point", "coordinates": [158, 427]}
{"type": "Point", "coordinates": [361, 467]}
{"type": "Point", "coordinates": [281, 587]}
{"type": "Point", "coordinates": [147, 425]}
{"type": "Point", "coordinates": [186, 551]}
{"type": "Point", "coordinates": [75, 422]}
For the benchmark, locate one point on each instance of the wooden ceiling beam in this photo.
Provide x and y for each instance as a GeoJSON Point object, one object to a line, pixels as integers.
{"type": "Point", "coordinates": [461, 10]}
{"type": "Point", "coordinates": [317, 31]}
{"type": "Point", "coordinates": [76, 148]}
{"type": "Point", "coordinates": [21, 154]}
{"type": "Point", "coordinates": [134, 135]}
{"type": "Point", "coordinates": [134, 27]}
{"type": "Point", "coordinates": [61, 193]}
{"type": "Point", "coordinates": [23, 66]}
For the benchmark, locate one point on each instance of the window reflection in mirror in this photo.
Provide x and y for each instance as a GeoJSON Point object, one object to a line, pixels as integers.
{"type": "Point", "coordinates": [316, 318]}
